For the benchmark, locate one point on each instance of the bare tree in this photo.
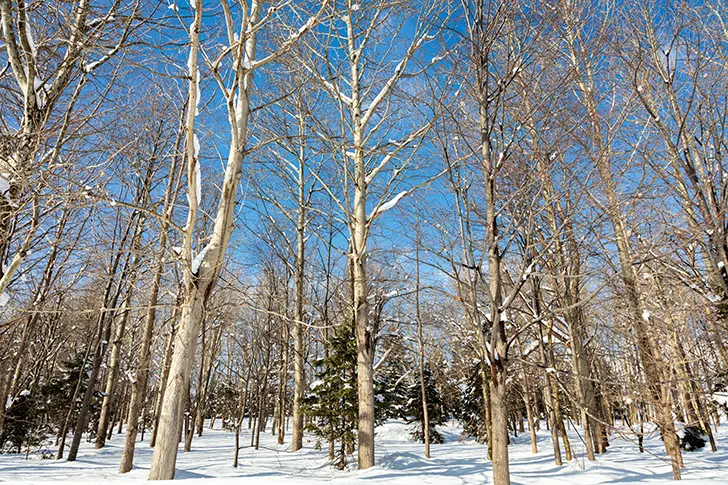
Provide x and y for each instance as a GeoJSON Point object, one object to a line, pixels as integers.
{"type": "Point", "coordinates": [363, 111]}
{"type": "Point", "coordinates": [202, 271]}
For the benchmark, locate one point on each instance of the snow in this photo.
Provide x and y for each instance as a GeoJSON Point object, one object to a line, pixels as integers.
{"type": "Point", "coordinates": [4, 184]}
{"type": "Point", "coordinates": [191, 56]}
{"type": "Point", "coordinates": [389, 204]}
{"type": "Point", "coordinates": [91, 66]}
{"type": "Point", "coordinates": [304, 28]}
{"type": "Point", "coordinates": [29, 39]}
{"type": "Point", "coordinates": [39, 88]}
{"type": "Point", "coordinates": [4, 299]}
{"type": "Point", "coordinates": [199, 93]}
{"type": "Point", "coordinates": [196, 144]}
{"type": "Point", "coordinates": [24, 393]}
{"type": "Point", "coordinates": [721, 264]}
{"type": "Point", "coordinates": [198, 174]}
{"type": "Point", "coordinates": [131, 375]}
{"type": "Point", "coordinates": [533, 345]}
{"type": "Point", "coordinates": [197, 262]}
{"type": "Point", "coordinates": [399, 461]}
{"type": "Point", "coordinates": [173, 6]}
{"type": "Point", "coordinates": [646, 315]}
{"type": "Point", "coordinates": [529, 271]}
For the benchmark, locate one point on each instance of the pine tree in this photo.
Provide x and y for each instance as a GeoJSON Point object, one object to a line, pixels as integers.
{"type": "Point", "coordinates": [414, 412]}
{"type": "Point", "coordinates": [390, 383]}
{"type": "Point", "coordinates": [33, 415]}
{"type": "Point", "coordinates": [331, 403]}
{"type": "Point", "coordinates": [54, 395]}
{"type": "Point", "coordinates": [471, 409]}
{"type": "Point", "coordinates": [224, 402]}
{"type": "Point", "coordinates": [23, 425]}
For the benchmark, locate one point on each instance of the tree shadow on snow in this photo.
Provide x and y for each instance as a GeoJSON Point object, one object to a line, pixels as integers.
{"type": "Point", "coordinates": [405, 463]}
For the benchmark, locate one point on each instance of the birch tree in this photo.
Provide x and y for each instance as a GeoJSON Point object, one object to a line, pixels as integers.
{"type": "Point", "coordinates": [202, 270]}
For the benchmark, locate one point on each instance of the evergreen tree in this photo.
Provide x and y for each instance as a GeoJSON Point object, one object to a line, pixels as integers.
{"type": "Point", "coordinates": [224, 402]}
{"type": "Point", "coordinates": [332, 403]}
{"type": "Point", "coordinates": [390, 383]}
{"type": "Point", "coordinates": [54, 395]}
{"type": "Point", "coordinates": [414, 412]}
{"type": "Point", "coordinates": [23, 425]}
{"type": "Point", "coordinates": [445, 374]}
{"type": "Point", "coordinates": [32, 416]}
{"type": "Point", "coordinates": [471, 409]}
{"type": "Point", "coordinates": [692, 438]}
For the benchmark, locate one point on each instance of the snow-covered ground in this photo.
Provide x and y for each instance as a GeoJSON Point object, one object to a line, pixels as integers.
{"type": "Point", "coordinates": [398, 461]}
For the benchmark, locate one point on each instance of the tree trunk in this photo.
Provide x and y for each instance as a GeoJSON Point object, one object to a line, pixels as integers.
{"type": "Point", "coordinates": [139, 381]}
{"type": "Point", "coordinates": [421, 355]}
{"type": "Point", "coordinates": [299, 365]}
{"type": "Point", "coordinates": [199, 286]}
{"type": "Point", "coordinates": [364, 334]}
{"type": "Point", "coordinates": [241, 415]}
{"type": "Point", "coordinates": [499, 428]}
{"type": "Point", "coordinates": [648, 350]}
{"type": "Point", "coordinates": [113, 375]}
{"type": "Point", "coordinates": [103, 334]}
{"type": "Point", "coordinates": [527, 402]}
{"type": "Point", "coordinates": [282, 387]}
{"type": "Point", "coordinates": [172, 409]}
{"type": "Point", "coordinates": [72, 404]}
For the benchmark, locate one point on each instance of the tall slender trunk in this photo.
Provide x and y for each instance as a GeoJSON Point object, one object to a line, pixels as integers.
{"type": "Point", "coordinates": [648, 351]}
{"type": "Point", "coordinates": [498, 343]}
{"type": "Point", "coordinates": [241, 412]}
{"type": "Point", "coordinates": [282, 385]}
{"type": "Point", "coordinates": [103, 334]}
{"type": "Point", "coordinates": [548, 392]}
{"type": "Point", "coordinates": [113, 374]}
{"type": "Point", "coordinates": [364, 334]}
{"type": "Point", "coordinates": [583, 387]}
{"type": "Point", "coordinates": [141, 377]}
{"type": "Point", "coordinates": [162, 384]}
{"type": "Point", "coordinates": [553, 378]}
{"type": "Point", "coordinates": [421, 355]}
{"type": "Point", "coordinates": [72, 404]}
{"type": "Point", "coordinates": [527, 402]}
{"type": "Point", "coordinates": [299, 366]}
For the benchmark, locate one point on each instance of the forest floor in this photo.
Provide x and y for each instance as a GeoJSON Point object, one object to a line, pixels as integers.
{"type": "Point", "coordinates": [398, 461]}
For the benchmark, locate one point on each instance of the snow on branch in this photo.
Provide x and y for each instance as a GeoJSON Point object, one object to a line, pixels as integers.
{"type": "Point", "coordinates": [380, 209]}
{"type": "Point", "coordinates": [399, 145]}
{"type": "Point", "coordinates": [292, 39]}
{"type": "Point", "coordinates": [197, 262]}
